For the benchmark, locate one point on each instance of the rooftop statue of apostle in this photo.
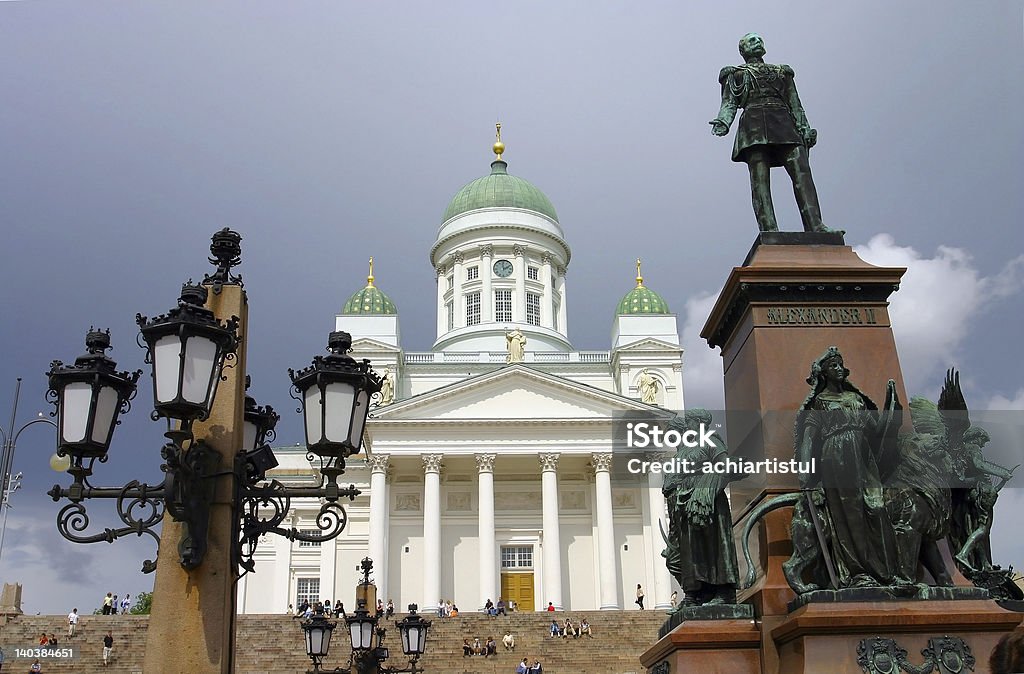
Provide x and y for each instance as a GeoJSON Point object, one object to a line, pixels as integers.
{"type": "Point", "coordinates": [772, 131]}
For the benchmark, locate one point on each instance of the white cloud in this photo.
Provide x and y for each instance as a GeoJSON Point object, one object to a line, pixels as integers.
{"type": "Point", "coordinates": [998, 402]}
{"type": "Point", "coordinates": [937, 303]}
{"type": "Point", "coordinates": [58, 575]}
{"type": "Point", "coordinates": [702, 371]}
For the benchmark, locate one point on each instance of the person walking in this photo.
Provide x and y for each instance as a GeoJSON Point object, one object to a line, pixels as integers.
{"type": "Point", "coordinates": [640, 596]}
{"type": "Point", "coordinates": [108, 648]}
{"type": "Point", "coordinates": [72, 622]}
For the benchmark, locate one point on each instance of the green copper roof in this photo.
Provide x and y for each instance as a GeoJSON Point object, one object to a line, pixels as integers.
{"type": "Point", "coordinates": [499, 190]}
{"type": "Point", "coordinates": [369, 301]}
{"type": "Point", "coordinates": [642, 300]}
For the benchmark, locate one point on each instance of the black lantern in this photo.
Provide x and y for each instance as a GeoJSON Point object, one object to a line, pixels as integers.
{"type": "Point", "coordinates": [259, 423]}
{"type": "Point", "coordinates": [318, 637]}
{"type": "Point", "coordinates": [187, 347]}
{"type": "Point", "coordinates": [361, 628]}
{"type": "Point", "coordinates": [335, 393]}
{"type": "Point", "coordinates": [89, 396]}
{"type": "Point", "coordinates": [413, 629]}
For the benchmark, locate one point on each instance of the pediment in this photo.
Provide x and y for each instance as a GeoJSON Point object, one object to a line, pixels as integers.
{"type": "Point", "coordinates": [512, 392]}
{"type": "Point", "coordinates": [368, 345]}
{"type": "Point", "coordinates": [650, 344]}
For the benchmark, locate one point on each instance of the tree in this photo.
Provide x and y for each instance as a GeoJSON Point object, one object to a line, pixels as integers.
{"type": "Point", "coordinates": [143, 604]}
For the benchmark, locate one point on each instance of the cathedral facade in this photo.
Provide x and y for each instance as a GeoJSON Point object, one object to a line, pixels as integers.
{"type": "Point", "coordinates": [488, 463]}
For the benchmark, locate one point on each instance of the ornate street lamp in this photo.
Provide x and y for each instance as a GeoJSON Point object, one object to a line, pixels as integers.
{"type": "Point", "coordinates": [90, 395]}
{"type": "Point", "coordinates": [368, 651]}
{"type": "Point", "coordinates": [189, 348]}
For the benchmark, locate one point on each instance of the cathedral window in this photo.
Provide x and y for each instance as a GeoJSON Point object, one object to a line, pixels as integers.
{"type": "Point", "coordinates": [503, 306]}
{"type": "Point", "coordinates": [532, 274]}
{"type": "Point", "coordinates": [451, 315]}
{"type": "Point", "coordinates": [451, 281]}
{"type": "Point", "coordinates": [472, 273]}
{"type": "Point", "coordinates": [533, 308]}
{"type": "Point", "coordinates": [517, 557]}
{"type": "Point", "coordinates": [308, 590]}
{"type": "Point", "coordinates": [473, 309]}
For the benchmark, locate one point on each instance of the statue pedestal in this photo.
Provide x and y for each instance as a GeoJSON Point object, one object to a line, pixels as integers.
{"type": "Point", "coordinates": [730, 646]}
{"type": "Point", "coordinates": [825, 637]}
{"type": "Point", "coordinates": [796, 295]}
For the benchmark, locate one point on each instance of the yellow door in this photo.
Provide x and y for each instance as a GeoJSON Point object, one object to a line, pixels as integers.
{"type": "Point", "coordinates": [518, 587]}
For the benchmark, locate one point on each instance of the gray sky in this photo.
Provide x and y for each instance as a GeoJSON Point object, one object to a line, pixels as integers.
{"type": "Point", "coordinates": [326, 132]}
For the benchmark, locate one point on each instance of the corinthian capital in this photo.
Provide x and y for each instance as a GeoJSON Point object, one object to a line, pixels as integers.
{"type": "Point", "coordinates": [378, 463]}
{"type": "Point", "coordinates": [602, 461]}
{"type": "Point", "coordinates": [432, 463]}
{"type": "Point", "coordinates": [485, 462]}
{"type": "Point", "coordinates": [548, 461]}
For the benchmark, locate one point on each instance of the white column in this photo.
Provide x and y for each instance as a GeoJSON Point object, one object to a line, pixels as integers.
{"type": "Point", "coordinates": [485, 528]}
{"type": "Point", "coordinates": [546, 301]}
{"type": "Point", "coordinates": [656, 512]}
{"type": "Point", "coordinates": [379, 511]}
{"type": "Point", "coordinates": [442, 313]}
{"type": "Point", "coordinates": [283, 570]}
{"type": "Point", "coordinates": [562, 325]}
{"type": "Point", "coordinates": [609, 586]}
{"type": "Point", "coordinates": [486, 294]}
{"type": "Point", "coordinates": [458, 301]}
{"type": "Point", "coordinates": [328, 568]}
{"type": "Point", "coordinates": [431, 532]}
{"type": "Point", "coordinates": [552, 544]}
{"type": "Point", "coordinates": [519, 306]}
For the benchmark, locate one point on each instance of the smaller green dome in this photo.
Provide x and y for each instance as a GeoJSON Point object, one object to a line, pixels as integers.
{"type": "Point", "coordinates": [641, 299]}
{"type": "Point", "coordinates": [369, 301]}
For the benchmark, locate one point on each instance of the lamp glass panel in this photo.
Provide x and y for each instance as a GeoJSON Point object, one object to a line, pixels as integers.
{"type": "Point", "coordinates": [355, 631]}
{"type": "Point", "coordinates": [106, 412]}
{"type": "Point", "coordinates": [326, 641]}
{"type": "Point", "coordinates": [200, 357]}
{"type": "Point", "coordinates": [249, 435]}
{"type": "Point", "coordinates": [75, 411]}
{"type": "Point", "coordinates": [405, 638]}
{"type": "Point", "coordinates": [338, 399]}
{"type": "Point", "coordinates": [166, 359]}
{"type": "Point", "coordinates": [314, 413]}
{"type": "Point", "coordinates": [315, 640]}
{"type": "Point", "coordinates": [359, 417]}
{"type": "Point", "coordinates": [413, 640]}
{"type": "Point", "coordinates": [367, 626]}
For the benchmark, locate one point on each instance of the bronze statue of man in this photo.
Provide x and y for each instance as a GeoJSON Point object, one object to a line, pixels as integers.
{"type": "Point", "coordinates": [773, 131]}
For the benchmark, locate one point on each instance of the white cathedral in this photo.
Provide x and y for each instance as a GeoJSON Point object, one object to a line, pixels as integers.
{"type": "Point", "coordinates": [486, 469]}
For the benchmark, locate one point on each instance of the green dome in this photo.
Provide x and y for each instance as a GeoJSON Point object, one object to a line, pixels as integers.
{"type": "Point", "coordinates": [642, 300]}
{"type": "Point", "coordinates": [369, 301]}
{"type": "Point", "coordinates": [499, 190]}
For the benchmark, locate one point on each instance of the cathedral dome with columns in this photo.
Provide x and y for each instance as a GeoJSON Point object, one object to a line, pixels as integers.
{"type": "Point", "coordinates": [500, 259]}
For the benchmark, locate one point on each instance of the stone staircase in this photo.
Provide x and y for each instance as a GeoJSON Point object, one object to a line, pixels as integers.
{"type": "Point", "coordinates": [273, 644]}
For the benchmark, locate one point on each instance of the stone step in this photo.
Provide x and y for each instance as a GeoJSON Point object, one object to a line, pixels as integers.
{"type": "Point", "coordinates": [273, 644]}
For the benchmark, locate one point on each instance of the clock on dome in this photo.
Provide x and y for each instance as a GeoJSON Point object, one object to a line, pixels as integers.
{"type": "Point", "coordinates": [503, 268]}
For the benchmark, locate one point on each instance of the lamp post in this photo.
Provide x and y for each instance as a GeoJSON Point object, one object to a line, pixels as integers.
{"type": "Point", "coordinates": [216, 457]}
{"type": "Point", "coordinates": [367, 638]}
{"type": "Point", "coordinates": [10, 483]}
